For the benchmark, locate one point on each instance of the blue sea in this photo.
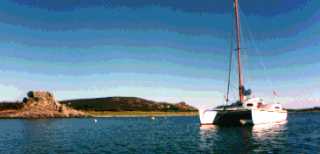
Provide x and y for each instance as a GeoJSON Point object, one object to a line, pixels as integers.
{"type": "Point", "coordinates": [301, 134]}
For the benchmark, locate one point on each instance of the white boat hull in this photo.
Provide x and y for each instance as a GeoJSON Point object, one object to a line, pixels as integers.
{"type": "Point", "coordinates": [207, 116]}
{"type": "Point", "coordinates": [241, 117]}
{"type": "Point", "coordinates": [265, 116]}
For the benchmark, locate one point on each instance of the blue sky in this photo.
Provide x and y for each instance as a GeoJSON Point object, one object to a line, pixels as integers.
{"type": "Point", "coordinates": [168, 50]}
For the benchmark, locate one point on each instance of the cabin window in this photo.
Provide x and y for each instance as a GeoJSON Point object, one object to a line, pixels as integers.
{"type": "Point", "coordinates": [249, 105]}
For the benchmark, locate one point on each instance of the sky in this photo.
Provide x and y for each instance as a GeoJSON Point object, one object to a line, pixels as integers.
{"type": "Point", "coordinates": [168, 50]}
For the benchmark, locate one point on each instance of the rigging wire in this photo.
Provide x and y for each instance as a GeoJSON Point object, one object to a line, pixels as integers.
{"type": "Point", "coordinates": [252, 42]}
{"type": "Point", "coordinates": [244, 53]}
{"type": "Point", "coordinates": [230, 68]}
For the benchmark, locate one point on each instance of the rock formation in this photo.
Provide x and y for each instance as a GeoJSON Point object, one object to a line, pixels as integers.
{"type": "Point", "coordinates": [41, 104]}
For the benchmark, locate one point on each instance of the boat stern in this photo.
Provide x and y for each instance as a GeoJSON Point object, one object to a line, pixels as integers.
{"type": "Point", "coordinates": [207, 116]}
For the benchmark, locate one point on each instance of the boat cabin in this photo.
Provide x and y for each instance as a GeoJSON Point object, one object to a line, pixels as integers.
{"type": "Point", "coordinates": [258, 103]}
{"type": "Point", "coordinates": [253, 103]}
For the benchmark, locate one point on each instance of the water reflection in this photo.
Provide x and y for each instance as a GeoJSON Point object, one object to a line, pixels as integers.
{"type": "Point", "coordinates": [208, 135]}
{"type": "Point", "coordinates": [269, 136]}
{"type": "Point", "coordinates": [264, 131]}
{"type": "Point", "coordinates": [258, 138]}
{"type": "Point", "coordinates": [208, 129]}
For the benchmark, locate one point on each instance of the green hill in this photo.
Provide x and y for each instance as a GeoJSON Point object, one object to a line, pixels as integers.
{"type": "Point", "coordinates": [126, 104]}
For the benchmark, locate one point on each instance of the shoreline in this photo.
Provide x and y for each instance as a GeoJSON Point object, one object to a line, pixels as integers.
{"type": "Point", "coordinates": [123, 114]}
{"type": "Point", "coordinates": [105, 114]}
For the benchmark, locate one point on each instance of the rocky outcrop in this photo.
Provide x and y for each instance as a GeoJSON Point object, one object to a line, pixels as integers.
{"type": "Point", "coordinates": [42, 104]}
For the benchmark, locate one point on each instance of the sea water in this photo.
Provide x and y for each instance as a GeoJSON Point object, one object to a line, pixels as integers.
{"type": "Point", "coordinates": [300, 134]}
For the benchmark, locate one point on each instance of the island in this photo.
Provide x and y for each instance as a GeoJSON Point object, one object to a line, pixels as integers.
{"type": "Point", "coordinates": [42, 104]}
{"type": "Point", "coordinates": [313, 109]}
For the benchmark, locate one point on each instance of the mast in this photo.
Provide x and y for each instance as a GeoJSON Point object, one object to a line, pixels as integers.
{"type": "Point", "coordinates": [241, 87]}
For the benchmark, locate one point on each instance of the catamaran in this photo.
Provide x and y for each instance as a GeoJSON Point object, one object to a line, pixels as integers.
{"type": "Point", "coordinates": [247, 110]}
